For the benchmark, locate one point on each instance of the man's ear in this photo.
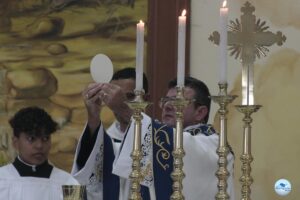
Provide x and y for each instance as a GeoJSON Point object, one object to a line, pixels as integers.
{"type": "Point", "coordinates": [201, 113]}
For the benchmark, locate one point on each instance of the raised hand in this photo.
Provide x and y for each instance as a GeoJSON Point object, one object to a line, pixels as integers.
{"type": "Point", "coordinates": [91, 96]}
{"type": "Point", "coordinates": [115, 98]}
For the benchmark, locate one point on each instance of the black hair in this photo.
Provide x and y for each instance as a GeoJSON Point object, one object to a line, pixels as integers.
{"type": "Point", "coordinates": [202, 95]}
{"type": "Point", "coordinates": [129, 73]}
{"type": "Point", "coordinates": [32, 121]}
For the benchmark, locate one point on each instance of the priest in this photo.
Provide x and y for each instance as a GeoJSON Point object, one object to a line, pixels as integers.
{"type": "Point", "coordinates": [102, 169]}
{"type": "Point", "coordinates": [31, 176]}
{"type": "Point", "coordinates": [88, 166]}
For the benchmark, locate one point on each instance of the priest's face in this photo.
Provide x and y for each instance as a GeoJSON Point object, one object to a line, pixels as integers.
{"type": "Point", "coordinates": [191, 115]}
{"type": "Point", "coordinates": [127, 86]}
{"type": "Point", "coordinates": [32, 149]}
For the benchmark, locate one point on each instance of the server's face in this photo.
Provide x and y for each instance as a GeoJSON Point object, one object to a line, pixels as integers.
{"type": "Point", "coordinates": [33, 150]}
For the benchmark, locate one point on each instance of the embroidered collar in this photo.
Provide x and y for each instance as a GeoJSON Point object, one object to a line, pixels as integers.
{"type": "Point", "coordinates": [206, 129]}
{"type": "Point", "coordinates": [42, 171]}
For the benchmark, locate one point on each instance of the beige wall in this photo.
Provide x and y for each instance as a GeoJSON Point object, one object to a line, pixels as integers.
{"type": "Point", "coordinates": [275, 133]}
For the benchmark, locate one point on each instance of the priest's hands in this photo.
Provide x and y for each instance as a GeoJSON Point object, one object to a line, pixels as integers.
{"type": "Point", "coordinates": [110, 94]}
{"type": "Point", "coordinates": [115, 98]}
{"type": "Point", "coordinates": [93, 105]}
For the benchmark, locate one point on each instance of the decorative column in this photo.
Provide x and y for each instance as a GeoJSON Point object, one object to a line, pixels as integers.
{"type": "Point", "coordinates": [178, 153]}
{"type": "Point", "coordinates": [138, 105]}
{"type": "Point", "coordinates": [223, 99]}
{"type": "Point", "coordinates": [246, 157]}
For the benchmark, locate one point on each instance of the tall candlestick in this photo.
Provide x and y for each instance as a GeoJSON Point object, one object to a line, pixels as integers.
{"type": "Point", "coordinates": [139, 55]}
{"type": "Point", "coordinates": [223, 43]}
{"type": "Point", "coordinates": [181, 49]}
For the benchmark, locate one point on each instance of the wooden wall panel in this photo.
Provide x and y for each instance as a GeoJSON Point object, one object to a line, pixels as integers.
{"type": "Point", "coordinates": [162, 46]}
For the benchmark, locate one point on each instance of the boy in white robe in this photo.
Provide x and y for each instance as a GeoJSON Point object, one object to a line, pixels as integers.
{"type": "Point", "coordinates": [31, 176]}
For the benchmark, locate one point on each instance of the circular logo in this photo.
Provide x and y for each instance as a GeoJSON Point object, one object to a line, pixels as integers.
{"type": "Point", "coordinates": [283, 187]}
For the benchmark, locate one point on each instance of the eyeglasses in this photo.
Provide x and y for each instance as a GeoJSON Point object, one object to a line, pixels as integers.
{"type": "Point", "coordinates": [164, 100]}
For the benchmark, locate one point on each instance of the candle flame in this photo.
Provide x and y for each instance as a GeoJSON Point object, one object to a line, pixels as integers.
{"type": "Point", "coordinates": [141, 22]}
{"type": "Point", "coordinates": [224, 3]}
{"type": "Point", "coordinates": [183, 12]}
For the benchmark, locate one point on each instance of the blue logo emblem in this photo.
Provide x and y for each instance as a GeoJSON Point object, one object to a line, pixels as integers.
{"type": "Point", "coordinates": [283, 187]}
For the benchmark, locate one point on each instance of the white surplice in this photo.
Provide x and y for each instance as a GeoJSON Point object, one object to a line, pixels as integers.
{"type": "Point", "coordinates": [15, 187]}
{"type": "Point", "coordinates": [115, 133]}
{"type": "Point", "coordinates": [91, 174]}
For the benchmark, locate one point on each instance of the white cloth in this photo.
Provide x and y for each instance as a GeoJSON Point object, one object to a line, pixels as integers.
{"type": "Point", "coordinates": [15, 187]}
{"type": "Point", "coordinates": [200, 163]}
{"type": "Point", "coordinates": [115, 133]}
{"type": "Point", "coordinates": [91, 174]}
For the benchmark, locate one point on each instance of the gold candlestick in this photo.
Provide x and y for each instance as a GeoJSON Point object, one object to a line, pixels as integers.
{"type": "Point", "coordinates": [246, 157]}
{"type": "Point", "coordinates": [223, 99]}
{"type": "Point", "coordinates": [178, 153]}
{"type": "Point", "coordinates": [248, 39]}
{"type": "Point", "coordinates": [138, 105]}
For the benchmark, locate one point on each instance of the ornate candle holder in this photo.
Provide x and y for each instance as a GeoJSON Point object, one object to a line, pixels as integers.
{"type": "Point", "coordinates": [248, 38]}
{"type": "Point", "coordinates": [138, 105]}
{"type": "Point", "coordinates": [223, 99]}
{"type": "Point", "coordinates": [246, 158]}
{"type": "Point", "coordinates": [178, 153]}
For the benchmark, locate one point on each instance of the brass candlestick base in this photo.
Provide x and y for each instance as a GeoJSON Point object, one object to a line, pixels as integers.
{"type": "Point", "coordinates": [223, 99]}
{"type": "Point", "coordinates": [178, 153]}
{"type": "Point", "coordinates": [246, 157]}
{"type": "Point", "coordinates": [138, 105]}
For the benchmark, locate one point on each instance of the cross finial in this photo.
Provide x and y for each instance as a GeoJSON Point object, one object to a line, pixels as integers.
{"type": "Point", "coordinates": [249, 38]}
{"type": "Point", "coordinates": [248, 9]}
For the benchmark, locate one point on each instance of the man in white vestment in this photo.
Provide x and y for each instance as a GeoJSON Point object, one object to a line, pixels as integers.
{"type": "Point", "coordinates": [88, 165]}
{"type": "Point", "coordinates": [31, 176]}
{"type": "Point", "coordinates": [199, 139]}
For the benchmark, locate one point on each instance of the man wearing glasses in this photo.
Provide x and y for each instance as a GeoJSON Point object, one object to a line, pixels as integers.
{"type": "Point", "coordinates": [199, 141]}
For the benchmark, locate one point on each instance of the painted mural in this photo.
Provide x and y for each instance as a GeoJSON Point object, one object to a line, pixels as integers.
{"type": "Point", "coordinates": [45, 52]}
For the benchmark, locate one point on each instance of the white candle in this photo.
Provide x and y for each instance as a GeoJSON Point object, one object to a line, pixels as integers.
{"type": "Point", "coordinates": [223, 43]}
{"type": "Point", "coordinates": [181, 49]}
{"type": "Point", "coordinates": [139, 55]}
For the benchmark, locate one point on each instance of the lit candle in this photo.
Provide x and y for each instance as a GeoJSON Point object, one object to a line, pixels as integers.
{"type": "Point", "coordinates": [181, 49]}
{"type": "Point", "coordinates": [139, 55]}
{"type": "Point", "coordinates": [223, 43]}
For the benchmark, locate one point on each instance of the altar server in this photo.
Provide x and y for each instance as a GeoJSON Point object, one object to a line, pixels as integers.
{"type": "Point", "coordinates": [31, 176]}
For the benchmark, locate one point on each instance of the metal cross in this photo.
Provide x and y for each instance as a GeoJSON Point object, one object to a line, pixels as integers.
{"type": "Point", "coordinates": [248, 39]}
